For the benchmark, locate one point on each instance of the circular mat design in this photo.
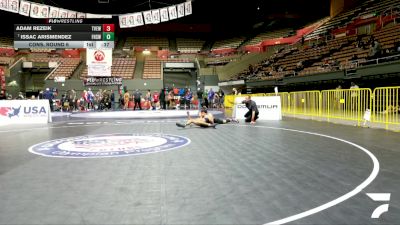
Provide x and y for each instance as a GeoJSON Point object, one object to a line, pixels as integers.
{"type": "Point", "coordinates": [109, 145]}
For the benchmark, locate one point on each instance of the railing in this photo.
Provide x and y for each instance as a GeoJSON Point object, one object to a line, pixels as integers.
{"type": "Point", "coordinates": [386, 106]}
{"type": "Point", "coordinates": [351, 105]}
{"type": "Point", "coordinates": [345, 104]}
{"type": "Point", "coordinates": [54, 70]}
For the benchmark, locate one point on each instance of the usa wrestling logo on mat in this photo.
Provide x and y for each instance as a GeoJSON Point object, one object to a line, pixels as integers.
{"type": "Point", "coordinates": [109, 145]}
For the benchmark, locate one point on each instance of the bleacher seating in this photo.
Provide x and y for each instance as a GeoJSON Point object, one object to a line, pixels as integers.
{"type": "Point", "coordinates": [121, 67]}
{"type": "Point", "coordinates": [367, 7]}
{"type": "Point", "coordinates": [65, 68]}
{"type": "Point", "coordinates": [146, 42]}
{"type": "Point", "coordinates": [42, 50]}
{"type": "Point", "coordinates": [220, 61]}
{"type": "Point", "coordinates": [386, 37]}
{"type": "Point", "coordinates": [228, 43]}
{"type": "Point", "coordinates": [269, 35]}
{"type": "Point", "coordinates": [152, 67]}
{"type": "Point", "coordinates": [6, 42]}
{"type": "Point", "coordinates": [189, 45]}
{"type": "Point", "coordinates": [6, 61]}
{"type": "Point", "coordinates": [380, 7]}
{"type": "Point", "coordinates": [333, 55]}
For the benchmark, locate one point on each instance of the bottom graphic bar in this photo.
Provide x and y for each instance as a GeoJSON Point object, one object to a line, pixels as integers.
{"type": "Point", "coordinates": [64, 44]}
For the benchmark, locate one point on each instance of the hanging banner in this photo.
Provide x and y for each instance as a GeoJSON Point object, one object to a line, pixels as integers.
{"type": "Point", "coordinates": [98, 16]}
{"type": "Point", "coordinates": [34, 10]}
{"type": "Point", "coordinates": [63, 13]}
{"type": "Point", "coordinates": [13, 6]}
{"type": "Point", "coordinates": [10, 5]}
{"type": "Point", "coordinates": [99, 71]}
{"type": "Point", "coordinates": [44, 11]}
{"type": "Point", "coordinates": [188, 8]}
{"type": "Point", "coordinates": [39, 11]}
{"type": "Point", "coordinates": [81, 15]}
{"type": "Point", "coordinates": [54, 12]}
{"type": "Point", "coordinates": [172, 12]}
{"type": "Point", "coordinates": [71, 14]}
{"type": "Point", "coordinates": [123, 21]}
{"type": "Point", "coordinates": [131, 20]}
{"type": "Point", "coordinates": [99, 62]}
{"type": "Point", "coordinates": [24, 8]}
{"type": "Point", "coordinates": [164, 14]}
{"type": "Point", "coordinates": [181, 10]}
{"type": "Point", "coordinates": [96, 57]}
{"type": "Point", "coordinates": [156, 16]}
{"type": "Point", "coordinates": [148, 17]}
{"type": "Point", "coordinates": [138, 19]}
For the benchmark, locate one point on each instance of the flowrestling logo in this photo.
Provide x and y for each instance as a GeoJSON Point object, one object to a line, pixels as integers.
{"type": "Point", "coordinates": [109, 145]}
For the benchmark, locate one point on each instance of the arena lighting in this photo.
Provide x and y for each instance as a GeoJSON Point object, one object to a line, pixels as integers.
{"type": "Point", "coordinates": [146, 52]}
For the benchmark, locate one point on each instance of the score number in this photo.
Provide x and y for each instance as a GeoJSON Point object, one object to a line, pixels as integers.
{"type": "Point", "coordinates": [108, 27]}
{"type": "Point", "coordinates": [108, 32]}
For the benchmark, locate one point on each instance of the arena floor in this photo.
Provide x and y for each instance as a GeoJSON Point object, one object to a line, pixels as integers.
{"type": "Point", "coordinates": [291, 171]}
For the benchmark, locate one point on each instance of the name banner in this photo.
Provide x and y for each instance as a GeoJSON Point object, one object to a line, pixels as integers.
{"type": "Point", "coordinates": [103, 81]}
{"type": "Point", "coordinates": [24, 112]}
{"type": "Point", "coordinates": [269, 108]}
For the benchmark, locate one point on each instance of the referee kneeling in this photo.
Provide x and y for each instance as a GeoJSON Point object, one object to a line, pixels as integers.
{"type": "Point", "coordinates": [252, 115]}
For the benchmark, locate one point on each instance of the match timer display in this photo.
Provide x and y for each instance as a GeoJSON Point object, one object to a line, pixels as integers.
{"type": "Point", "coordinates": [64, 36]}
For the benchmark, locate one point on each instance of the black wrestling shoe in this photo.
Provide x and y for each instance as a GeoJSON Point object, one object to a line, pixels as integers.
{"type": "Point", "coordinates": [214, 125]}
{"type": "Point", "coordinates": [235, 120]}
{"type": "Point", "coordinates": [180, 125]}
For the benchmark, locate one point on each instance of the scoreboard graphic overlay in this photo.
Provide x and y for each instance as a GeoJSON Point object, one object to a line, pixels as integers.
{"type": "Point", "coordinates": [94, 36]}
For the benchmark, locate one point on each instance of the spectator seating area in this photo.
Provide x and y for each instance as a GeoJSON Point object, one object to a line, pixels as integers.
{"type": "Point", "coordinates": [121, 67]}
{"type": "Point", "coordinates": [153, 67]}
{"type": "Point", "coordinates": [189, 45]}
{"type": "Point", "coordinates": [220, 61]}
{"type": "Point", "coordinates": [367, 7]}
{"type": "Point", "coordinates": [269, 35]}
{"type": "Point", "coordinates": [146, 42]}
{"type": "Point", "coordinates": [326, 56]}
{"type": "Point", "coordinates": [6, 42]}
{"type": "Point", "coordinates": [42, 50]}
{"type": "Point", "coordinates": [338, 21]}
{"type": "Point", "coordinates": [380, 6]}
{"type": "Point", "coordinates": [387, 38]}
{"type": "Point", "coordinates": [228, 43]}
{"type": "Point", "coordinates": [65, 68]}
{"type": "Point", "coordinates": [6, 61]}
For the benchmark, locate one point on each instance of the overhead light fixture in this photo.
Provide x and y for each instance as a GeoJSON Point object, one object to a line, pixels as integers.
{"type": "Point", "coordinates": [146, 52]}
